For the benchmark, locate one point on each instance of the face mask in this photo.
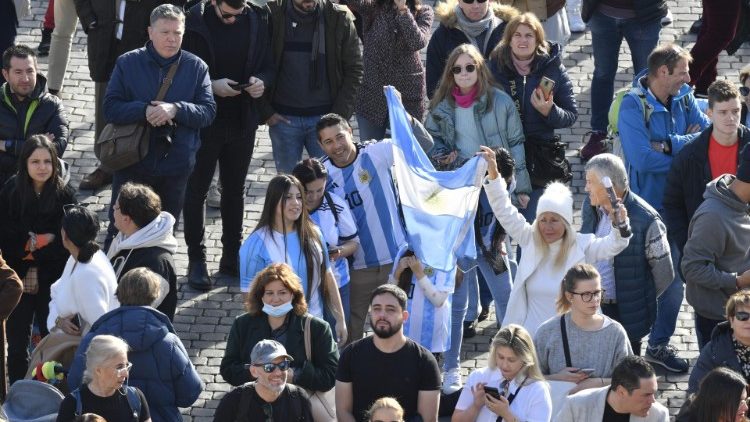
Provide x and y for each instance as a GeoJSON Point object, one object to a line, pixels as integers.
{"type": "Point", "coordinates": [512, 186]}
{"type": "Point", "coordinates": [277, 311]}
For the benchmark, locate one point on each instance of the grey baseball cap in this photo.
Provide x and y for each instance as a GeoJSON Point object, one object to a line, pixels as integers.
{"type": "Point", "coordinates": [266, 351]}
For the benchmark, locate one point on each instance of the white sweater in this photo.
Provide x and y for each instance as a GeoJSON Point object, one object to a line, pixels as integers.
{"type": "Point", "coordinates": [87, 289]}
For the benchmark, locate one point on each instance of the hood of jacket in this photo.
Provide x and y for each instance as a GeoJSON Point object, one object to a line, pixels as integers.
{"type": "Point", "coordinates": [445, 12]}
{"type": "Point", "coordinates": [718, 190]}
{"type": "Point", "coordinates": [641, 81]}
{"type": "Point", "coordinates": [39, 89]}
{"type": "Point", "coordinates": [140, 326]}
{"type": "Point", "coordinates": [156, 233]}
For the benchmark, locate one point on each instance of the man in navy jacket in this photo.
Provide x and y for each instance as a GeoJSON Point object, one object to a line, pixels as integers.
{"type": "Point", "coordinates": [175, 122]}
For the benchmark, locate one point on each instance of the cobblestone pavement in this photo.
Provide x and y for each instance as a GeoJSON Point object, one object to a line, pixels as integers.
{"type": "Point", "coordinates": [203, 319]}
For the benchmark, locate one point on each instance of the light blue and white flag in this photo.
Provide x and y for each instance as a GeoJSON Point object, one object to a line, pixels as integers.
{"type": "Point", "coordinates": [438, 206]}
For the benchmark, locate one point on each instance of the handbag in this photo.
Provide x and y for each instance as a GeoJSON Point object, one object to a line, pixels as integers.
{"type": "Point", "coordinates": [546, 162]}
{"type": "Point", "coordinates": [322, 403]}
{"type": "Point", "coordinates": [120, 146]}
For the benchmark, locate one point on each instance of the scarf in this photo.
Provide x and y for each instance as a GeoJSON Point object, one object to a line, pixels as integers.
{"type": "Point", "coordinates": [318, 51]}
{"type": "Point", "coordinates": [467, 100]}
{"type": "Point", "coordinates": [474, 29]}
{"type": "Point", "coordinates": [523, 67]}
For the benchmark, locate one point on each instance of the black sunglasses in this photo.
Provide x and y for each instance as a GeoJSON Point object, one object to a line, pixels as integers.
{"type": "Point", "coordinates": [270, 367]}
{"type": "Point", "coordinates": [472, 1]}
{"type": "Point", "coordinates": [470, 68]}
{"type": "Point", "coordinates": [744, 91]}
{"type": "Point", "coordinates": [226, 16]}
{"type": "Point", "coordinates": [742, 316]}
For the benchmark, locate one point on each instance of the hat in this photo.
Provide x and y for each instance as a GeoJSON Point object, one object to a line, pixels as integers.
{"type": "Point", "coordinates": [743, 167]}
{"type": "Point", "coordinates": [266, 351]}
{"type": "Point", "coordinates": [558, 199]}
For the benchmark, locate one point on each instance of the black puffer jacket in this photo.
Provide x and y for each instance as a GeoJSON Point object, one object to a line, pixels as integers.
{"type": "Point", "coordinates": [44, 114]}
{"type": "Point", "coordinates": [718, 352]}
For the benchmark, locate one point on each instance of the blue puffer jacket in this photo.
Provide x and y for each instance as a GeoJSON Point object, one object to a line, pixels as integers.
{"type": "Point", "coordinates": [135, 83]}
{"type": "Point", "coordinates": [564, 112]}
{"type": "Point", "coordinates": [161, 366]}
{"type": "Point", "coordinates": [648, 168]}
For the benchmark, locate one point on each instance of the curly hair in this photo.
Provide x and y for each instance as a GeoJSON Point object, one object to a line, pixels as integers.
{"type": "Point", "coordinates": [275, 272]}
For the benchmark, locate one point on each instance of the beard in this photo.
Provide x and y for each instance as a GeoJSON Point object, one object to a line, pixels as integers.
{"type": "Point", "coordinates": [386, 332]}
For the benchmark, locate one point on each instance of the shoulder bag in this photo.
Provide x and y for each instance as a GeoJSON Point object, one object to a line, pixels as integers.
{"type": "Point", "coordinates": [322, 403]}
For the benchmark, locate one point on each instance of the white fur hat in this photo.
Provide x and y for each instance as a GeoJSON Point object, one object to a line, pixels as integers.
{"type": "Point", "coordinates": [558, 199]}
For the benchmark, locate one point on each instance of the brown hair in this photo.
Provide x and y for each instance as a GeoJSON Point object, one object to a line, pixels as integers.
{"type": "Point", "coordinates": [721, 90]}
{"type": "Point", "coordinates": [485, 81]}
{"type": "Point", "coordinates": [138, 287]}
{"type": "Point", "coordinates": [667, 55]}
{"type": "Point", "coordinates": [741, 298]}
{"type": "Point", "coordinates": [576, 273]}
{"type": "Point", "coordinates": [502, 52]}
{"type": "Point", "coordinates": [275, 272]}
{"type": "Point", "coordinates": [744, 73]}
{"type": "Point", "coordinates": [139, 202]}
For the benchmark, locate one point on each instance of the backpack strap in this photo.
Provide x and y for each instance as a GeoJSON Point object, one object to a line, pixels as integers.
{"type": "Point", "coordinates": [333, 207]}
{"type": "Point", "coordinates": [566, 348]}
{"type": "Point", "coordinates": [134, 401]}
{"type": "Point", "coordinates": [79, 406]}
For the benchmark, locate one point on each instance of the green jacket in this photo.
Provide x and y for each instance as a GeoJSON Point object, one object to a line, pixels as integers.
{"type": "Point", "coordinates": [247, 330]}
{"type": "Point", "coordinates": [343, 56]}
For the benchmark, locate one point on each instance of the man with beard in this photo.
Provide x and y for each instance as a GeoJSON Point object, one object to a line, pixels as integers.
{"type": "Point", "coordinates": [269, 395]}
{"type": "Point", "coordinates": [387, 364]}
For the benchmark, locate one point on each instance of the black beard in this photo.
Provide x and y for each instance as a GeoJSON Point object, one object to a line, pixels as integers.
{"type": "Point", "coordinates": [385, 333]}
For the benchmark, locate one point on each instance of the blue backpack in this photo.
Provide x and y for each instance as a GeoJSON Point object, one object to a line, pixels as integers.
{"type": "Point", "coordinates": [133, 400]}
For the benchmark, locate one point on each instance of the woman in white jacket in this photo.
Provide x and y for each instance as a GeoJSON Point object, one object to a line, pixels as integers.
{"type": "Point", "coordinates": [550, 246]}
{"type": "Point", "coordinates": [86, 289]}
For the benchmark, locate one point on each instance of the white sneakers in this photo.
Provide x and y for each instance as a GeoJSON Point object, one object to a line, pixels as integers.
{"type": "Point", "coordinates": [573, 7]}
{"type": "Point", "coordinates": [452, 381]}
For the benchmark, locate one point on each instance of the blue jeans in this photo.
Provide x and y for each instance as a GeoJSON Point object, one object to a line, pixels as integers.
{"type": "Point", "coordinates": [668, 305]}
{"type": "Point", "coordinates": [499, 286]}
{"type": "Point", "coordinates": [606, 36]}
{"type": "Point", "coordinates": [328, 315]}
{"type": "Point", "coordinates": [288, 140]}
{"type": "Point", "coordinates": [458, 313]}
{"type": "Point", "coordinates": [369, 130]}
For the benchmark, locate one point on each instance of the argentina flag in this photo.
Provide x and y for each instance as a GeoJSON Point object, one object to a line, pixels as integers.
{"type": "Point", "coordinates": [438, 206]}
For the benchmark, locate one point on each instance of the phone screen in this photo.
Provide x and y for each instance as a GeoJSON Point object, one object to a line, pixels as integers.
{"type": "Point", "coordinates": [492, 391]}
{"type": "Point", "coordinates": [546, 85]}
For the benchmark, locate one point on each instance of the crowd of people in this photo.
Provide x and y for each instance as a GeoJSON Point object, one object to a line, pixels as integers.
{"type": "Point", "coordinates": [333, 257]}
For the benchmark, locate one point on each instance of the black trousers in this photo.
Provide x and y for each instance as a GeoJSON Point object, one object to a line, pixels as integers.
{"type": "Point", "coordinates": [703, 328]}
{"type": "Point", "coordinates": [18, 330]}
{"type": "Point", "coordinates": [222, 142]}
{"type": "Point", "coordinates": [611, 310]}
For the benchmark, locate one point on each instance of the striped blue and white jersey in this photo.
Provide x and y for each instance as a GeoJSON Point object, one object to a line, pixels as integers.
{"type": "Point", "coordinates": [266, 246]}
{"type": "Point", "coordinates": [337, 225]}
{"type": "Point", "coordinates": [367, 187]}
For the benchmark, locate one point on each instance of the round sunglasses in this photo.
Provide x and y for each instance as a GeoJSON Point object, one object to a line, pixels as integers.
{"type": "Point", "coordinates": [470, 68]}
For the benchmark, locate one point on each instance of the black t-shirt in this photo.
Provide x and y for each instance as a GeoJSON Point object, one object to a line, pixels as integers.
{"type": "Point", "coordinates": [114, 408]}
{"type": "Point", "coordinates": [291, 406]}
{"type": "Point", "coordinates": [611, 416]}
{"type": "Point", "coordinates": [374, 374]}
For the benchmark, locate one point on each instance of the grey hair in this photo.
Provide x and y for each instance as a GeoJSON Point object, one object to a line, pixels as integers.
{"type": "Point", "coordinates": [611, 166]}
{"type": "Point", "coordinates": [167, 11]}
{"type": "Point", "coordinates": [101, 349]}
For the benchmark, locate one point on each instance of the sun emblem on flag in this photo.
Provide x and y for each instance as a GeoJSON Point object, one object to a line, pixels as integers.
{"type": "Point", "coordinates": [428, 271]}
{"type": "Point", "coordinates": [364, 176]}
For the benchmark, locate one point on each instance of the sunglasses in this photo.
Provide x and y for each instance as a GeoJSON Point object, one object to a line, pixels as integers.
{"type": "Point", "coordinates": [589, 296]}
{"type": "Point", "coordinates": [270, 367]}
{"type": "Point", "coordinates": [470, 68]}
{"type": "Point", "coordinates": [472, 1]}
{"type": "Point", "coordinates": [226, 16]}
{"type": "Point", "coordinates": [744, 91]}
{"type": "Point", "coordinates": [742, 316]}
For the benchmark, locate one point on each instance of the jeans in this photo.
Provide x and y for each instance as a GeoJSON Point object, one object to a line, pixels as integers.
{"type": "Point", "coordinates": [222, 142]}
{"type": "Point", "coordinates": [328, 315]}
{"type": "Point", "coordinates": [458, 314]}
{"type": "Point", "coordinates": [703, 329]}
{"type": "Point", "coordinates": [171, 191]}
{"type": "Point", "coordinates": [720, 20]}
{"type": "Point", "coordinates": [288, 139]}
{"type": "Point", "coordinates": [18, 330]}
{"type": "Point", "coordinates": [499, 286]}
{"type": "Point", "coordinates": [668, 305]}
{"type": "Point", "coordinates": [369, 130]}
{"type": "Point", "coordinates": [481, 293]}
{"type": "Point", "coordinates": [606, 36]}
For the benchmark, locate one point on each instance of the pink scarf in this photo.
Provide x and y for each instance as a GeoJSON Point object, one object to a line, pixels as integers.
{"type": "Point", "coordinates": [464, 101]}
{"type": "Point", "coordinates": [523, 67]}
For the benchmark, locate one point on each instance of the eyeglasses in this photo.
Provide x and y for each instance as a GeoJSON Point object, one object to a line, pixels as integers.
{"type": "Point", "coordinates": [123, 367]}
{"type": "Point", "coordinates": [742, 316]}
{"type": "Point", "coordinates": [472, 1]}
{"type": "Point", "coordinates": [470, 68]}
{"type": "Point", "coordinates": [270, 367]}
{"type": "Point", "coordinates": [744, 91]}
{"type": "Point", "coordinates": [226, 16]}
{"type": "Point", "coordinates": [68, 207]}
{"type": "Point", "coordinates": [588, 296]}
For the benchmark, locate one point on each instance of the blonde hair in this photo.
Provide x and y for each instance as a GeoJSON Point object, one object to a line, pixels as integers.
{"type": "Point", "coordinates": [502, 52]}
{"type": "Point", "coordinates": [568, 242]}
{"type": "Point", "coordinates": [576, 273]}
{"type": "Point", "coordinates": [386, 403]}
{"type": "Point", "coordinates": [485, 81]}
{"type": "Point", "coordinates": [517, 339]}
{"type": "Point", "coordinates": [742, 299]}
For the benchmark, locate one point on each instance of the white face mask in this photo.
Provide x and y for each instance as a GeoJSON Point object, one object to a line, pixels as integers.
{"type": "Point", "coordinates": [277, 311]}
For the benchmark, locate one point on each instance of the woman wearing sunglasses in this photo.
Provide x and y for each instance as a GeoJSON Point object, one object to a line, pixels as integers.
{"type": "Point", "coordinates": [277, 310]}
{"type": "Point", "coordinates": [520, 63]}
{"type": "Point", "coordinates": [730, 342]}
{"type": "Point", "coordinates": [570, 357]}
{"type": "Point", "coordinates": [31, 211]}
{"type": "Point", "coordinates": [722, 397]}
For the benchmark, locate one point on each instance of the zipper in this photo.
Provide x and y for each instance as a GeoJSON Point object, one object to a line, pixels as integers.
{"type": "Point", "coordinates": [523, 97]}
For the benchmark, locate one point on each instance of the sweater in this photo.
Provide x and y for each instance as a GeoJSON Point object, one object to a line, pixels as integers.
{"type": "Point", "coordinates": [717, 249]}
{"type": "Point", "coordinates": [588, 405]}
{"type": "Point", "coordinates": [611, 340]}
{"type": "Point", "coordinates": [84, 288]}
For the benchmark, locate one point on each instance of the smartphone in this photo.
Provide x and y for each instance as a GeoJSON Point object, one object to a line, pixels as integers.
{"type": "Point", "coordinates": [587, 371]}
{"type": "Point", "coordinates": [239, 87]}
{"type": "Point", "coordinates": [546, 85]}
{"type": "Point", "coordinates": [492, 391]}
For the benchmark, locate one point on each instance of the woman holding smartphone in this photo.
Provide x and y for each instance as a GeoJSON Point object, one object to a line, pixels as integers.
{"type": "Point", "coordinates": [511, 387]}
{"type": "Point", "coordinates": [530, 70]}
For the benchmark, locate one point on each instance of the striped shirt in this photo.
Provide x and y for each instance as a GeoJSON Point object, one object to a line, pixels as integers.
{"type": "Point", "coordinates": [337, 225]}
